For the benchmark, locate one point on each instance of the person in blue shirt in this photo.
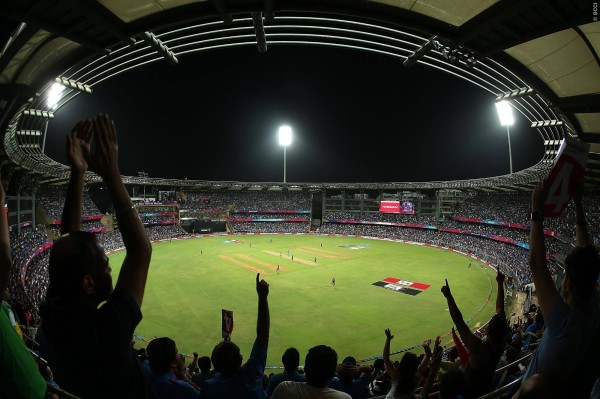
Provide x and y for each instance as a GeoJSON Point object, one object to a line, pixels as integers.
{"type": "Point", "coordinates": [163, 358]}
{"type": "Point", "coordinates": [234, 381]}
{"type": "Point", "coordinates": [290, 360]}
{"type": "Point", "coordinates": [568, 352]}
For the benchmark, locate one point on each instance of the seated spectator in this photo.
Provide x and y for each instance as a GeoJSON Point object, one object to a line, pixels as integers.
{"type": "Point", "coordinates": [381, 383]}
{"type": "Point", "coordinates": [20, 376]}
{"type": "Point", "coordinates": [233, 380]}
{"type": "Point", "coordinates": [74, 327]}
{"type": "Point", "coordinates": [319, 367]}
{"type": "Point", "coordinates": [291, 361]}
{"type": "Point", "coordinates": [484, 355]}
{"type": "Point", "coordinates": [165, 366]}
{"type": "Point", "coordinates": [204, 365]}
{"type": "Point", "coordinates": [529, 336]}
{"type": "Point", "coordinates": [404, 376]}
{"type": "Point", "coordinates": [570, 346]}
{"type": "Point", "coordinates": [352, 379]}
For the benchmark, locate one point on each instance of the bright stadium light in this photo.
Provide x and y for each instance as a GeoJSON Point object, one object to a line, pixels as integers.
{"type": "Point", "coordinates": [285, 139]}
{"type": "Point", "coordinates": [54, 94]}
{"type": "Point", "coordinates": [506, 119]}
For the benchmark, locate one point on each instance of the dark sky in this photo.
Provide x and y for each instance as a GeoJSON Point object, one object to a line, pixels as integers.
{"type": "Point", "coordinates": [356, 117]}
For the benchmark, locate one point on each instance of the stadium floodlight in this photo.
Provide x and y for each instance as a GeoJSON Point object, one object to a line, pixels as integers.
{"type": "Point", "coordinates": [506, 119]}
{"type": "Point", "coordinates": [54, 94]}
{"type": "Point", "coordinates": [285, 139]}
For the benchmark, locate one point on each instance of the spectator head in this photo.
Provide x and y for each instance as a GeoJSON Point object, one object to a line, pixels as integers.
{"type": "Point", "coordinates": [497, 328]}
{"type": "Point", "coordinates": [348, 370]}
{"type": "Point", "coordinates": [452, 384]}
{"type": "Point", "coordinates": [79, 270]}
{"type": "Point", "coordinates": [204, 365]}
{"type": "Point", "coordinates": [539, 318]}
{"type": "Point", "coordinates": [226, 358]}
{"type": "Point", "coordinates": [407, 370]}
{"type": "Point", "coordinates": [162, 355]}
{"type": "Point", "coordinates": [291, 359]}
{"type": "Point", "coordinates": [379, 365]}
{"type": "Point", "coordinates": [582, 266]}
{"type": "Point", "coordinates": [320, 365]}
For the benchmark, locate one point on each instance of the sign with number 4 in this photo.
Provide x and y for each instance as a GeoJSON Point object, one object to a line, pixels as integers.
{"type": "Point", "coordinates": [568, 170]}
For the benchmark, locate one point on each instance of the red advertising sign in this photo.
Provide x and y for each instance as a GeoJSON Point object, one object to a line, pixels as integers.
{"type": "Point", "coordinates": [404, 207]}
{"type": "Point", "coordinates": [568, 170]}
{"type": "Point", "coordinates": [389, 206]}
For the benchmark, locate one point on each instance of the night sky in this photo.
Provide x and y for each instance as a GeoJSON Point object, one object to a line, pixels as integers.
{"type": "Point", "coordinates": [356, 117]}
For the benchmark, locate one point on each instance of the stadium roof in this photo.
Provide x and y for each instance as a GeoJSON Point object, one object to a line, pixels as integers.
{"type": "Point", "coordinates": [542, 56]}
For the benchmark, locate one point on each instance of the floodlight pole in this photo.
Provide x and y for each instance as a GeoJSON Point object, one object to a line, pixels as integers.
{"type": "Point", "coordinates": [285, 139]}
{"type": "Point", "coordinates": [284, 164]}
{"type": "Point", "coordinates": [145, 176]}
{"type": "Point", "coordinates": [506, 119]}
{"type": "Point", "coordinates": [509, 149]}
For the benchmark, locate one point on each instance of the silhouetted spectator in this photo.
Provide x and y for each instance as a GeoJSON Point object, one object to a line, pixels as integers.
{"type": "Point", "coordinates": [291, 361]}
{"type": "Point", "coordinates": [20, 378]}
{"type": "Point", "coordinates": [164, 360]}
{"type": "Point", "coordinates": [570, 347]}
{"type": "Point", "coordinates": [234, 380]}
{"type": "Point", "coordinates": [320, 365]}
{"type": "Point", "coordinates": [484, 355]}
{"type": "Point", "coordinates": [74, 327]}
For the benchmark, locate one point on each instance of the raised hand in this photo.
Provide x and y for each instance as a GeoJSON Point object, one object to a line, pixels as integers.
{"type": "Point", "coordinates": [388, 334]}
{"type": "Point", "coordinates": [500, 277]}
{"type": "Point", "coordinates": [446, 290]}
{"type": "Point", "coordinates": [438, 340]}
{"type": "Point", "coordinates": [78, 145]}
{"type": "Point", "coordinates": [104, 160]}
{"type": "Point", "coordinates": [262, 287]}
{"type": "Point", "coordinates": [538, 197]}
{"type": "Point", "coordinates": [578, 193]}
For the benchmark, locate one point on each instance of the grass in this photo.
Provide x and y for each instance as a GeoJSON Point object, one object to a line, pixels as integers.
{"type": "Point", "coordinates": [190, 281]}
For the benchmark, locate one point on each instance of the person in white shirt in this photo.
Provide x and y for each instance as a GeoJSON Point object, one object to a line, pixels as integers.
{"type": "Point", "coordinates": [320, 365]}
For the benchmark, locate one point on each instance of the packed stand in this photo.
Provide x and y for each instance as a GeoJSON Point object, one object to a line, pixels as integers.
{"type": "Point", "coordinates": [52, 201]}
{"type": "Point", "coordinates": [166, 232]}
{"type": "Point", "coordinates": [84, 315]}
{"type": "Point", "coordinates": [514, 208]}
{"type": "Point", "coordinates": [512, 257]}
{"type": "Point", "coordinates": [380, 217]}
{"type": "Point", "coordinates": [270, 227]}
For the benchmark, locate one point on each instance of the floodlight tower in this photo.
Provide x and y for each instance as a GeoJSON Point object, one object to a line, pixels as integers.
{"type": "Point", "coordinates": [506, 119]}
{"type": "Point", "coordinates": [285, 139]}
{"type": "Point", "coordinates": [145, 176]}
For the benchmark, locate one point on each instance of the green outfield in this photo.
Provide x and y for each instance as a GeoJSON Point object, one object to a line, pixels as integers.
{"type": "Point", "coordinates": [190, 281]}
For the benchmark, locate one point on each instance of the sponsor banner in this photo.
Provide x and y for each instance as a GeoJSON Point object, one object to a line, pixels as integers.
{"type": "Point", "coordinates": [352, 246]}
{"type": "Point", "coordinates": [272, 211]}
{"type": "Point", "coordinates": [406, 283]}
{"type": "Point", "coordinates": [235, 220]}
{"type": "Point", "coordinates": [403, 208]}
{"type": "Point", "coordinates": [397, 288]}
{"type": "Point", "coordinates": [389, 207]}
